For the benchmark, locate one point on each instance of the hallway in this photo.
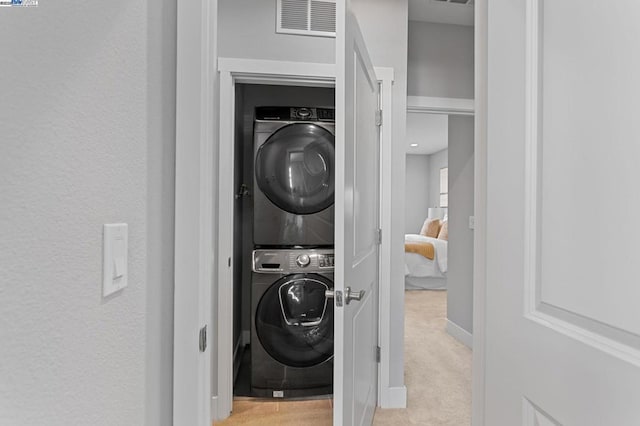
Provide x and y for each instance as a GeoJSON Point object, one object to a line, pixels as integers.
{"type": "Point", "coordinates": [437, 367]}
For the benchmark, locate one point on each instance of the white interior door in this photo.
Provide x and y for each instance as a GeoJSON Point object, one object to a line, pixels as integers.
{"type": "Point", "coordinates": [356, 242]}
{"type": "Point", "coordinates": [562, 316]}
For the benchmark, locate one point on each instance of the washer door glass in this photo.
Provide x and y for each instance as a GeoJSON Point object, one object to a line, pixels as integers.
{"type": "Point", "coordinates": [294, 320]}
{"type": "Point", "coordinates": [295, 168]}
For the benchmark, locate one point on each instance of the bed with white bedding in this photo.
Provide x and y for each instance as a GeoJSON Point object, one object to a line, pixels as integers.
{"type": "Point", "coordinates": [422, 273]}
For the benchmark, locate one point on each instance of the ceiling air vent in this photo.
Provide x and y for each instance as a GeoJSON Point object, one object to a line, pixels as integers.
{"type": "Point", "coordinates": [307, 17]}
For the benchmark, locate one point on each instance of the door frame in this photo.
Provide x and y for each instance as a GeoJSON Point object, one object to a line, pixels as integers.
{"type": "Point", "coordinates": [480, 212]}
{"type": "Point", "coordinates": [251, 71]}
{"type": "Point", "coordinates": [195, 183]}
{"type": "Point", "coordinates": [196, 189]}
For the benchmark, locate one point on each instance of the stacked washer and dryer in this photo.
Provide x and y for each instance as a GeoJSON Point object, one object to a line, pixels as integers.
{"type": "Point", "coordinates": [293, 257]}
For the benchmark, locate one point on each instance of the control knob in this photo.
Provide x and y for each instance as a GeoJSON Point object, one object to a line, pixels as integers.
{"type": "Point", "coordinates": [303, 260]}
{"type": "Point", "coordinates": [304, 112]}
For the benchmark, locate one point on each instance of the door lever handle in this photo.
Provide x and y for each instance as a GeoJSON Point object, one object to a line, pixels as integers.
{"type": "Point", "coordinates": [353, 295]}
{"type": "Point", "coordinates": [348, 295]}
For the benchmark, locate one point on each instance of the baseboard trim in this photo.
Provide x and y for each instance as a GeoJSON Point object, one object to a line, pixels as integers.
{"type": "Point", "coordinates": [394, 397]}
{"type": "Point", "coordinates": [214, 409]}
{"type": "Point", "coordinates": [460, 334]}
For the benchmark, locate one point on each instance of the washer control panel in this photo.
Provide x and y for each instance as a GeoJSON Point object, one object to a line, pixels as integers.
{"type": "Point", "coordinates": [295, 114]}
{"type": "Point", "coordinates": [285, 261]}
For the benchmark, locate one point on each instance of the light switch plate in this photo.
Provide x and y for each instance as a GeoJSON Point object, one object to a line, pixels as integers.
{"type": "Point", "coordinates": [472, 222]}
{"type": "Point", "coordinates": [115, 253]}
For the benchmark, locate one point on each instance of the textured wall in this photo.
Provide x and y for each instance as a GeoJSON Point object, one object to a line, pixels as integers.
{"type": "Point", "coordinates": [440, 60]}
{"type": "Point", "coordinates": [73, 156]}
{"type": "Point", "coordinates": [416, 193]}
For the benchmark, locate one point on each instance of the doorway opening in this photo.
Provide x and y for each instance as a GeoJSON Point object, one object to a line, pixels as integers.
{"type": "Point", "coordinates": [439, 212]}
{"type": "Point", "coordinates": [282, 263]}
{"type": "Point", "coordinates": [439, 265]}
{"type": "Point", "coordinates": [234, 73]}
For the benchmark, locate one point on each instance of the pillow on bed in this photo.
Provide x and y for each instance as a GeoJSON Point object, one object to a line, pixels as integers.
{"type": "Point", "coordinates": [444, 231]}
{"type": "Point", "coordinates": [430, 228]}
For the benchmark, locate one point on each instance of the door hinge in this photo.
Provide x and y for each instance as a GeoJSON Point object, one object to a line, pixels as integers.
{"type": "Point", "coordinates": [377, 353]}
{"type": "Point", "coordinates": [202, 340]}
{"type": "Point", "coordinates": [379, 236]}
{"type": "Point", "coordinates": [379, 117]}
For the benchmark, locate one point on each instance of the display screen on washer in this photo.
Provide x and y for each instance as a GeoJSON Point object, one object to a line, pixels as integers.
{"type": "Point", "coordinates": [295, 168]}
{"type": "Point", "coordinates": [326, 260]}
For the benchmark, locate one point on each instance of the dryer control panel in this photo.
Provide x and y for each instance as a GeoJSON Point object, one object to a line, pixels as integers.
{"type": "Point", "coordinates": [286, 261]}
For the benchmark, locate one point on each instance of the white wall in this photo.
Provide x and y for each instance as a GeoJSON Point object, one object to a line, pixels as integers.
{"type": "Point", "coordinates": [416, 192]}
{"type": "Point", "coordinates": [247, 29]}
{"type": "Point", "coordinates": [437, 161]}
{"type": "Point", "coordinates": [74, 155]}
{"type": "Point", "coordinates": [384, 26]}
{"type": "Point", "coordinates": [461, 180]}
{"type": "Point", "coordinates": [440, 60]}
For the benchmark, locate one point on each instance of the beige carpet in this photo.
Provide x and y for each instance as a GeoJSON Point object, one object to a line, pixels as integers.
{"type": "Point", "coordinates": [437, 367]}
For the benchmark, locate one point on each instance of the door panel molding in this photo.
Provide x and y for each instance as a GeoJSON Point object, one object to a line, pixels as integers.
{"type": "Point", "coordinates": [532, 415]}
{"type": "Point", "coordinates": [590, 330]}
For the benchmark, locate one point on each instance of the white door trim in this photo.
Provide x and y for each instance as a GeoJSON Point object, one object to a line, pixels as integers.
{"type": "Point", "coordinates": [480, 213]}
{"type": "Point", "coordinates": [194, 207]}
{"type": "Point", "coordinates": [431, 105]}
{"type": "Point", "coordinates": [232, 71]}
{"type": "Point", "coordinates": [388, 396]}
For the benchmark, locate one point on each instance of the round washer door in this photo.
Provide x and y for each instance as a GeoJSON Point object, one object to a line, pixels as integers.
{"type": "Point", "coordinates": [294, 320]}
{"type": "Point", "coordinates": [295, 168]}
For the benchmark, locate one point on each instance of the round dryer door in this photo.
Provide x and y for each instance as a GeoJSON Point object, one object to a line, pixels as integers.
{"type": "Point", "coordinates": [295, 168]}
{"type": "Point", "coordinates": [294, 320]}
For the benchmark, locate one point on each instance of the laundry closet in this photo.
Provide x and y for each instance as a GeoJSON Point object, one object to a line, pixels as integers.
{"type": "Point", "coordinates": [284, 183]}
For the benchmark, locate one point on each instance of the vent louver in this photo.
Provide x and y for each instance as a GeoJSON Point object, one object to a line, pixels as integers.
{"type": "Point", "coordinates": [307, 17]}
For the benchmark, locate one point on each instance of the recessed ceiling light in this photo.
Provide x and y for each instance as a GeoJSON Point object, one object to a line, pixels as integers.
{"type": "Point", "coordinates": [414, 145]}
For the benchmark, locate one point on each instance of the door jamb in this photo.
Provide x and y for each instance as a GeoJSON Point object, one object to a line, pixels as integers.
{"type": "Point", "coordinates": [194, 246]}
{"type": "Point", "coordinates": [480, 212]}
{"type": "Point", "coordinates": [232, 71]}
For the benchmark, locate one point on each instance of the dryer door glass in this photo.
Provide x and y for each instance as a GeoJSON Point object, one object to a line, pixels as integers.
{"type": "Point", "coordinates": [295, 168]}
{"type": "Point", "coordinates": [294, 320]}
